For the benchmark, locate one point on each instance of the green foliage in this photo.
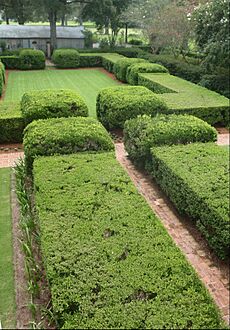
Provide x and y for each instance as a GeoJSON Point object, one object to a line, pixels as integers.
{"type": "Point", "coordinates": [218, 83]}
{"type": "Point", "coordinates": [135, 69]}
{"type": "Point", "coordinates": [64, 136]}
{"type": "Point", "coordinates": [144, 132]}
{"type": "Point", "coordinates": [109, 61]}
{"type": "Point", "coordinates": [45, 104]}
{"type": "Point", "coordinates": [66, 58]}
{"type": "Point", "coordinates": [183, 97]}
{"type": "Point", "coordinates": [212, 32]}
{"type": "Point", "coordinates": [117, 104]}
{"type": "Point", "coordinates": [30, 59]}
{"type": "Point", "coordinates": [109, 261]}
{"type": "Point", "coordinates": [11, 123]}
{"type": "Point", "coordinates": [132, 52]}
{"type": "Point", "coordinates": [121, 67]}
{"type": "Point", "coordinates": [195, 177]}
{"type": "Point", "coordinates": [10, 62]}
{"type": "Point", "coordinates": [90, 60]}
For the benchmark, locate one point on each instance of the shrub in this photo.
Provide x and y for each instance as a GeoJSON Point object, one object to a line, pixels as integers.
{"type": "Point", "coordinates": [144, 132]}
{"type": "Point", "coordinates": [195, 177]}
{"type": "Point", "coordinates": [183, 97]}
{"type": "Point", "coordinates": [10, 62]}
{"type": "Point", "coordinates": [45, 104]}
{"type": "Point", "coordinates": [132, 52]}
{"type": "Point", "coordinates": [135, 69]}
{"type": "Point", "coordinates": [121, 67]}
{"type": "Point", "coordinates": [109, 261]}
{"type": "Point", "coordinates": [117, 104]}
{"type": "Point", "coordinates": [11, 123]}
{"type": "Point", "coordinates": [64, 136]}
{"type": "Point", "coordinates": [109, 61]}
{"type": "Point", "coordinates": [90, 60]}
{"type": "Point", "coordinates": [66, 58]}
{"type": "Point", "coordinates": [217, 83]}
{"type": "Point", "coordinates": [30, 59]}
{"type": "Point", "coordinates": [2, 77]}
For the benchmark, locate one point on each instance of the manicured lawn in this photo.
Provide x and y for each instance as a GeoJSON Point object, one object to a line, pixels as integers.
{"type": "Point", "coordinates": [87, 82]}
{"type": "Point", "coordinates": [7, 294]}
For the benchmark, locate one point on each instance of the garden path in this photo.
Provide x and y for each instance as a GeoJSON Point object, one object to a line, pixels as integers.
{"type": "Point", "coordinates": [213, 272]}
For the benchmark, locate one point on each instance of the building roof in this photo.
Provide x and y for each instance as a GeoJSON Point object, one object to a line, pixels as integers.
{"type": "Point", "coordinates": [41, 32]}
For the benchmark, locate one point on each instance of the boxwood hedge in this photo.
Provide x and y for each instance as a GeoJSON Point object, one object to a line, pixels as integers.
{"type": "Point", "coordinates": [117, 104]}
{"type": "Point", "coordinates": [2, 77]}
{"type": "Point", "coordinates": [144, 132]}
{"type": "Point", "coordinates": [121, 66]}
{"type": "Point", "coordinates": [135, 69]}
{"type": "Point", "coordinates": [109, 261]}
{"type": "Point", "coordinates": [43, 104]}
{"type": "Point", "coordinates": [10, 62]}
{"type": "Point", "coordinates": [30, 59]}
{"type": "Point", "coordinates": [66, 58]}
{"type": "Point", "coordinates": [183, 97]}
{"type": "Point", "coordinates": [64, 136]}
{"type": "Point", "coordinates": [11, 122]}
{"type": "Point", "coordinates": [90, 60]}
{"type": "Point", "coordinates": [196, 179]}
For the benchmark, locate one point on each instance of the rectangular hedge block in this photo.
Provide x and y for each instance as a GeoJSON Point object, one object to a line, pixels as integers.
{"type": "Point", "coordinates": [196, 179]}
{"type": "Point", "coordinates": [11, 123]}
{"type": "Point", "coordinates": [64, 136]}
{"type": "Point", "coordinates": [66, 58]}
{"type": "Point", "coordinates": [109, 261]}
{"type": "Point", "coordinates": [115, 105]}
{"type": "Point", "coordinates": [183, 97]}
{"type": "Point", "coordinates": [144, 132]}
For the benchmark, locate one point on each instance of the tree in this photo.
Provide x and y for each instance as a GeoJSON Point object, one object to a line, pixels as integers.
{"type": "Point", "coordinates": [212, 32]}
{"type": "Point", "coordinates": [107, 14]}
{"type": "Point", "coordinates": [20, 10]}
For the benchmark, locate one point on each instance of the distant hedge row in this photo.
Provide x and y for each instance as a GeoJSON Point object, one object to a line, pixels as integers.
{"type": "Point", "coordinates": [2, 77]}
{"type": "Point", "coordinates": [28, 59]}
{"type": "Point", "coordinates": [109, 261]}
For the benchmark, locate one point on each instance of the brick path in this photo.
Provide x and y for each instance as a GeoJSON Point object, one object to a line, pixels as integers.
{"type": "Point", "coordinates": [223, 136]}
{"type": "Point", "coordinates": [9, 154]}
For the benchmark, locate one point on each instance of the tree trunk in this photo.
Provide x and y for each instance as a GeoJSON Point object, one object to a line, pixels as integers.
{"type": "Point", "coordinates": [7, 19]}
{"type": "Point", "coordinates": [63, 20]}
{"type": "Point", "coordinates": [126, 33]}
{"type": "Point", "coordinates": [53, 30]}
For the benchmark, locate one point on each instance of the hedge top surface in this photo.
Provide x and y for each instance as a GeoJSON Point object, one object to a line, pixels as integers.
{"type": "Point", "coordinates": [10, 110]}
{"type": "Point", "coordinates": [135, 69]}
{"type": "Point", "coordinates": [117, 104]}
{"type": "Point", "coordinates": [66, 58]}
{"type": "Point", "coordinates": [144, 132]}
{"type": "Point", "coordinates": [43, 104]}
{"type": "Point", "coordinates": [187, 94]}
{"type": "Point", "coordinates": [64, 136]}
{"type": "Point", "coordinates": [109, 261]}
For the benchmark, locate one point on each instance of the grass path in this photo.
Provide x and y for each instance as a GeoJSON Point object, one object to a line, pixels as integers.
{"type": "Point", "coordinates": [7, 292]}
{"type": "Point", "coordinates": [87, 82]}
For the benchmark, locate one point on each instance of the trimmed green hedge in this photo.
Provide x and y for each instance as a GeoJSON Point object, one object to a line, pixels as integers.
{"type": "Point", "coordinates": [117, 104]}
{"type": "Point", "coordinates": [64, 136]}
{"type": "Point", "coordinates": [121, 67]}
{"type": "Point", "coordinates": [66, 58]}
{"type": "Point", "coordinates": [144, 132]}
{"type": "Point", "coordinates": [134, 70]}
{"type": "Point", "coordinates": [90, 60]}
{"type": "Point", "coordinates": [109, 61]}
{"type": "Point", "coordinates": [183, 97]}
{"type": "Point", "coordinates": [44, 104]}
{"type": "Point", "coordinates": [11, 123]}
{"type": "Point", "coordinates": [10, 62]}
{"type": "Point", "coordinates": [109, 261]}
{"type": "Point", "coordinates": [195, 177]}
{"type": "Point", "coordinates": [30, 59]}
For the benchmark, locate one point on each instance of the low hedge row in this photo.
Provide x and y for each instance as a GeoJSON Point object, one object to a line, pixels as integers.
{"type": "Point", "coordinates": [195, 177]}
{"type": "Point", "coordinates": [11, 123]}
{"type": "Point", "coordinates": [66, 58]}
{"type": "Point", "coordinates": [218, 83]}
{"type": "Point", "coordinates": [43, 104]}
{"type": "Point", "coordinates": [183, 97]}
{"type": "Point", "coordinates": [144, 132]}
{"type": "Point", "coordinates": [64, 136]}
{"type": "Point", "coordinates": [28, 59]}
{"type": "Point", "coordinates": [109, 61]}
{"type": "Point", "coordinates": [121, 67]}
{"type": "Point", "coordinates": [134, 70]}
{"type": "Point", "coordinates": [109, 261]}
{"type": "Point", "coordinates": [117, 104]}
{"type": "Point", "coordinates": [90, 60]}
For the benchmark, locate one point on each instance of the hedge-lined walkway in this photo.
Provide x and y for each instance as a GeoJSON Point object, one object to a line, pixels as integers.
{"type": "Point", "coordinates": [213, 272]}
